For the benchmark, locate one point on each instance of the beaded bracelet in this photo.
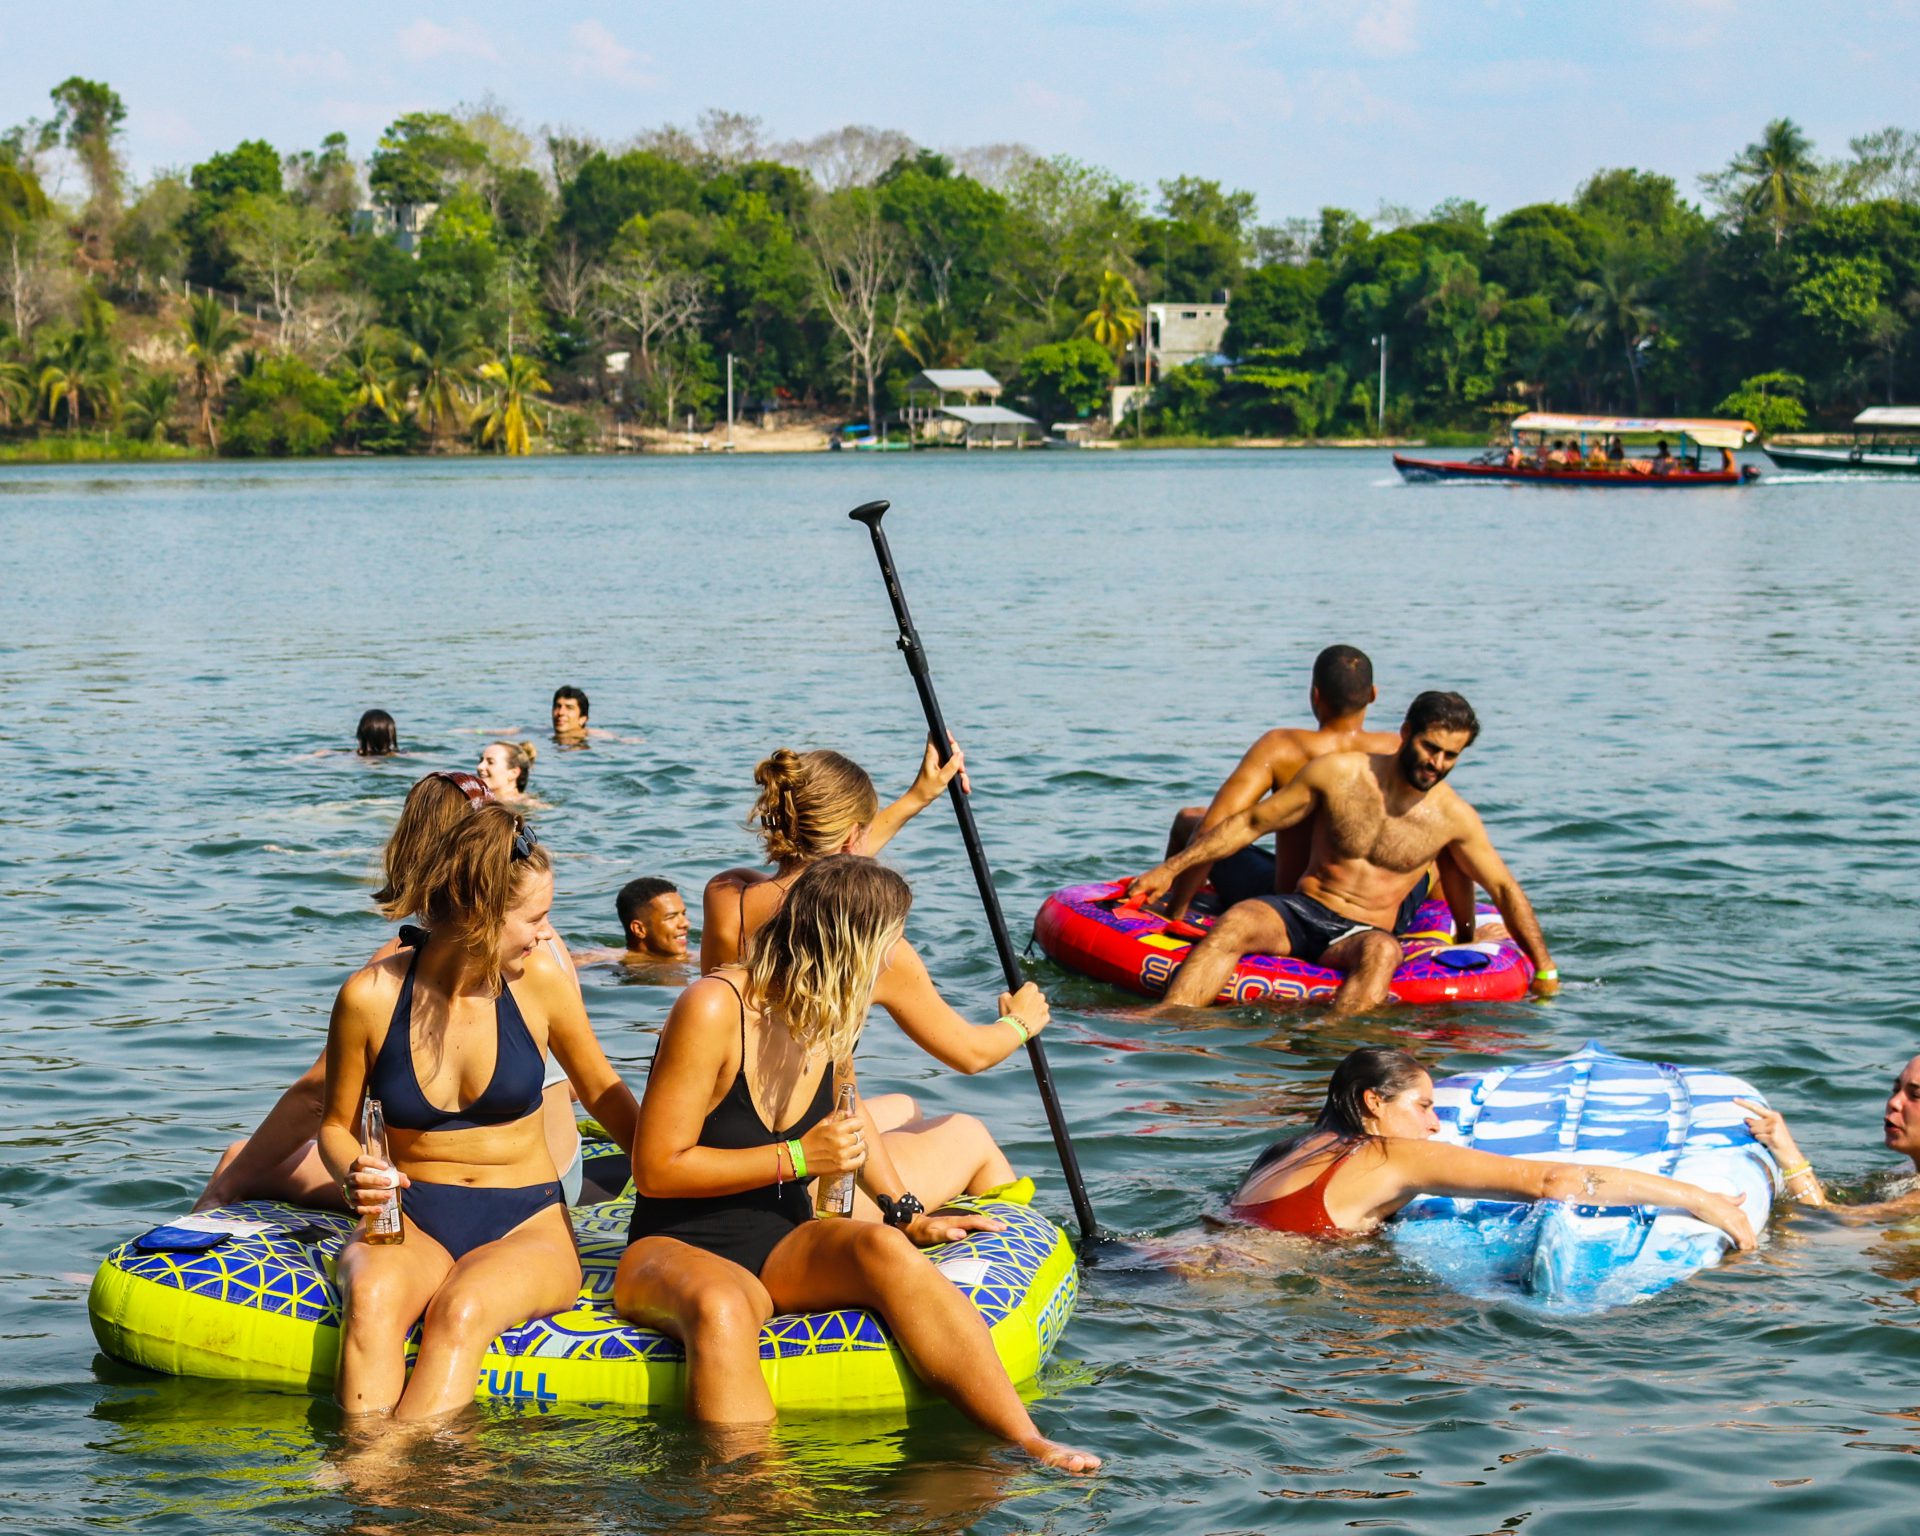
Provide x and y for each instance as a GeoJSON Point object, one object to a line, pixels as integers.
{"type": "Point", "coordinates": [799, 1160]}
{"type": "Point", "coordinates": [1019, 1028]}
{"type": "Point", "coordinates": [1788, 1175]}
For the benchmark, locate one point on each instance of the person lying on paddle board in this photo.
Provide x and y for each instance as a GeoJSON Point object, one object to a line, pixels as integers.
{"type": "Point", "coordinates": [1899, 1130]}
{"type": "Point", "coordinates": [1341, 693]}
{"type": "Point", "coordinates": [1382, 819]}
{"type": "Point", "coordinates": [1372, 1150]}
{"type": "Point", "coordinates": [723, 1235]}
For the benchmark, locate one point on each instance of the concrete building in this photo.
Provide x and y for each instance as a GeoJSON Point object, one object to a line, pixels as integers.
{"type": "Point", "coordinates": [1184, 333]}
{"type": "Point", "coordinates": [400, 223]}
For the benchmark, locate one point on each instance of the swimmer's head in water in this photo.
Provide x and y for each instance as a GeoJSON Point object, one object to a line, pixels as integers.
{"type": "Point", "coordinates": [1342, 682]}
{"type": "Point", "coordinates": [506, 765]}
{"type": "Point", "coordinates": [1379, 1091]}
{"type": "Point", "coordinates": [817, 960]}
{"type": "Point", "coordinates": [1901, 1122]}
{"type": "Point", "coordinates": [570, 711]}
{"type": "Point", "coordinates": [653, 917]}
{"type": "Point", "coordinates": [435, 806]}
{"type": "Point", "coordinates": [1438, 728]}
{"type": "Point", "coordinates": [377, 734]}
{"type": "Point", "coordinates": [811, 804]}
{"type": "Point", "coordinates": [489, 887]}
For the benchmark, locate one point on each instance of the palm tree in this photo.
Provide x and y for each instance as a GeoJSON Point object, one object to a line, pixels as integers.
{"type": "Point", "coordinates": [211, 334]}
{"type": "Point", "coordinates": [148, 408]}
{"type": "Point", "coordinates": [1612, 310]}
{"type": "Point", "coordinates": [1776, 178]}
{"type": "Point", "coordinates": [505, 417]}
{"type": "Point", "coordinates": [77, 373]}
{"type": "Point", "coordinates": [440, 355]}
{"type": "Point", "coordinates": [1114, 319]}
{"type": "Point", "coordinates": [372, 380]}
{"type": "Point", "coordinates": [935, 340]}
{"type": "Point", "coordinates": [16, 391]}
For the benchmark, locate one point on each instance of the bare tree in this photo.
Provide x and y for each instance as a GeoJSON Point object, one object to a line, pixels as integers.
{"type": "Point", "coordinates": [276, 245]}
{"type": "Point", "coordinates": [992, 165]}
{"type": "Point", "coordinates": [729, 139]}
{"type": "Point", "coordinates": [856, 266]}
{"type": "Point", "coordinates": [848, 157]}
{"type": "Point", "coordinates": [569, 280]}
{"type": "Point", "coordinates": [567, 151]}
{"type": "Point", "coordinates": [670, 142]}
{"type": "Point", "coordinates": [637, 296]}
{"type": "Point", "coordinates": [324, 327]}
{"type": "Point", "coordinates": [37, 279]}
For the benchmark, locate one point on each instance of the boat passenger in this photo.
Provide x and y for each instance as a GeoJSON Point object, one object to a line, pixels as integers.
{"type": "Point", "coordinates": [1597, 455]}
{"type": "Point", "coordinates": [1663, 461]}
{"type": "Point", "coordinates": [813, 805]}
{"type": "Point", "coordinates": [1616, 449]}
{"type": "Point", "coordinates": [1384, 818]}
{"type": "Point", "coordinates": [281, 1159]}
{"type": "Point", "coordinates": [1899, 1131]}
{"type": "Point", "coordinates": [1515, 458]}
{"type": "Point", "coordinates": [377, 736]}
{"type": "Point", "coordinates": [738, 1113]}
{"type": "Point", "coordinates": [1340, 694]}
{"type": "Point", "coordinates": [505, 767]}
{"type": "Point", "coordinates": [466, 1021]}
{"type": "Point", "coordinates": [1371, 1150]}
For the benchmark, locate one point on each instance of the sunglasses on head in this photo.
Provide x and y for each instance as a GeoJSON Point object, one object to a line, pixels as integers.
{"type": "Point", "coordinates": [524, 842]}
{"type": "Point", "coordinates": [469, 785]}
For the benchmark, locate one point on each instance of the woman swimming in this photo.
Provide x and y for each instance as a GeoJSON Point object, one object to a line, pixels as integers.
{"type": "Point", "coordinates": [505, 768]}
{"type": "Point", "coordinates": [1372, 1150]}
{"type": "Point", "coordinates": [376, 736]}
{"type": "Point", "coordinates": [450, 1038]}
{"type": "Point", "coordinates": [1899, 1131]}
{"type": "Point", "coordinates": [281, 1159]}
{"type": "Point", "coordinates": [737, 1115]}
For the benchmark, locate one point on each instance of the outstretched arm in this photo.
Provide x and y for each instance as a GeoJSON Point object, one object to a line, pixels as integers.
{"type": "Point", "coordinates": [1267, 762]}
{"type": "Point", "coordinates": [928, 786]}
{"type": "Point", "coordinates": [1277, 812]}
{"type": "Point", "coordinates": [1477, 857]}
{"type": "Point", "coordinates": [907, 992]}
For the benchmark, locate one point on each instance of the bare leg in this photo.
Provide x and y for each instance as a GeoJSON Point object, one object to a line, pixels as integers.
{"type": "Point", "coordinates": [382, 1291]}
{"type": "Point", "coordinates": [828, 1264]}
{"type": "Point", "coordinates": [939, 1158]}
{"type": "Point", "coordinates": [533, 1271]}
{"type": "Point", "coordinates": [1185, 823]}
{"type": "Point", "coordinates": [716, 1309]}
{"type": "Point", "coordinates": [1369, 959]}
{"type": "Point", "coordinates": [890, 1111]}
{"type": "Point", "coordinates": [1250, 927]}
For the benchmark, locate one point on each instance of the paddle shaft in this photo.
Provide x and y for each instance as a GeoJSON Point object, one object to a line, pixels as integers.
{"type": "Point", "coordinates": [870, 513]}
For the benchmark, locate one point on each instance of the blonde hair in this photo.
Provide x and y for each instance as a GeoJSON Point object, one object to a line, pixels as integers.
{"type": "Point", "coordinates": [809, 802]}
{"type": "Point", "coordinates": [818, 957]}
{"type": "Point", "coordinates": [435, 806]}
{"type": "Point", "coordinates": [467, 884]}
{"type": "Point", "coordinates": [520, 756]}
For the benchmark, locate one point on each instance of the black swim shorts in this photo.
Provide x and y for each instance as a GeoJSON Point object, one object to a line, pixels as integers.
{"type": "Point", "coordinates": [1249, 874]}
{"type": "Point", "coordinates": [1312, 927]}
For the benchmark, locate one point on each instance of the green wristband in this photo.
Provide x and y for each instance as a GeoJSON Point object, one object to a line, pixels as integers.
{"type": "Point", "coordinates": [1551, 973]}
{"type": "Point", "coordinates": [799, 1160]}
{"type": "Point", "coordinates": [1019, 1028]}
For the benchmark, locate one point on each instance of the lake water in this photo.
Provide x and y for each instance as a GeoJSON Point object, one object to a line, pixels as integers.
{"type": "Point", "coordinates": [1697, 756]}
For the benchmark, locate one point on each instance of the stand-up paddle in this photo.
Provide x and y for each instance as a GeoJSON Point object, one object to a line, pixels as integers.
{"type": "Point", "coordinates": [916, 654]}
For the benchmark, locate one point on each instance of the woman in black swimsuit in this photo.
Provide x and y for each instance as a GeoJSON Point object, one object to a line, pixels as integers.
{"type": "Point", "coordinates": [737, 1116]}
{"type": "Point", "coordinates": [463, 1022]}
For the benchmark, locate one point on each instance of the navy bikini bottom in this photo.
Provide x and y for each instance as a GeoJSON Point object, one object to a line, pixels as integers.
{"type": "Point", "coordinates": [461, 1218]}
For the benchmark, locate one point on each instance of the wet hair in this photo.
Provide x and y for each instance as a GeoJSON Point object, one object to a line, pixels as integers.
{"type": "Point", "coordinates": [377, 734]}
{"type": "Point", "coordinates": [568, 691]}
{"type": "Point", "coordinates": [1344, 678]}
{"type": "Point", "coordinates": [1377, 1068]}
{"type": "Point", "coordinates": [1443, 711]}
{"type": "Point", "coordinates": [467, 883]}
{"type": "Point", "coordinates": [635, 895]}
{"type": "Point", "coordinates": [816, 961]}
{"type": "Point", "coordinates": [520, 756]}
{"type": "Point", "coordinates": [809, 802]}
{"type": "Point", "coordinates": [435, 806]}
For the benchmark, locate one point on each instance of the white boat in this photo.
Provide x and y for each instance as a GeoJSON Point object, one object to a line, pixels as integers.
{"type": "Point", "coordinates": [1886, 440]}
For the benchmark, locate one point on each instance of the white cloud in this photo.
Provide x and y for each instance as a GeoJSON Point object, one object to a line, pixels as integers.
{"type": "Point", "coordinates": [1385, 29]}
{"type": "Point", "coordinates": [599, 55]}
{"type": "Point", "coordinates": [422, 40]}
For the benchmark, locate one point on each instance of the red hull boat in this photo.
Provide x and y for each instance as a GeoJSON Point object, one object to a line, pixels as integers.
{"type": "Point", "coordinates": [1547, 449]}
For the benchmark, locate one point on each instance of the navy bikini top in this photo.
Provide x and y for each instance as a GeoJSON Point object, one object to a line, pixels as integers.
{"type": "Point", "coordinates": [519, 1070]}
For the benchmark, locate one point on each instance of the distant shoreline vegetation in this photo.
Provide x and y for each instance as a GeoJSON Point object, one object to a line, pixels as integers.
{"type": "Point", "coordinates": [473, 287]}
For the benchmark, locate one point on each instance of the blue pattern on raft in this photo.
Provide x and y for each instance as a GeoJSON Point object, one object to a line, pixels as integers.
{"type": "Point", "coordinates": [276, 1273]}
{"type": "Point", "coordinates": [1590, 1107]}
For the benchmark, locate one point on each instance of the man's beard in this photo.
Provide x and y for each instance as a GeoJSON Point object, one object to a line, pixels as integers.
{"type": "Point", "coordinates": [1417, 773]}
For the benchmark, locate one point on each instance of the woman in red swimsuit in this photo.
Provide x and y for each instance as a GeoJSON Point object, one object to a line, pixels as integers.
{"type": "Point", "coordinates": [1372, 1150]}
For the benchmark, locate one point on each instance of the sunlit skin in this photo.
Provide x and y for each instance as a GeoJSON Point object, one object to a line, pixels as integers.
{"type": "Point", "coordinates": [1899, 1132]}
{"type": "Point", "coordinates": [568, 722]}
{"type": "Point", "coordinates": [659, 930]}
{"type": "Point", "coordinates": [1403, 1161]}
{"type": "Point", "coordinates": [496, 771]}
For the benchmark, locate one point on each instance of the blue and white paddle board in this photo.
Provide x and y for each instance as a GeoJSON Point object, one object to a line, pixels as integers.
{"type": "Point", "coordinates": [1590, 1107]}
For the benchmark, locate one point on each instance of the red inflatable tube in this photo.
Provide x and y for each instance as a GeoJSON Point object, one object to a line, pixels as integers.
{"type": "Point", "coordinates": [1085, 929]}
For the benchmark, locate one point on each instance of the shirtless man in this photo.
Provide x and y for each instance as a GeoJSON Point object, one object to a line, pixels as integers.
{"type": "Point", "coordinates": [1383, 818]}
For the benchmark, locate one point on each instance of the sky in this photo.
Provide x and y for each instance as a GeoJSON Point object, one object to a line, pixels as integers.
{"type": "Point", "coordinates": [1304, 103]}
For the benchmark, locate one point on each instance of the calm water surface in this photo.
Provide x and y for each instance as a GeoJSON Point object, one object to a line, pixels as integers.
{"type": "Point", "coordinates": [1697, 756]}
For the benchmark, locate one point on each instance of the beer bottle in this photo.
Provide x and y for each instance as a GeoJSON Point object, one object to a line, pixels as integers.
{"type": "Point", "coordinates": [835, 1195]}
{"type": "Point", "coordinates": [384, 1225]}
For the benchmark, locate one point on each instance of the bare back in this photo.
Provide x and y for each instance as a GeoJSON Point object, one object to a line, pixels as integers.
{"type": "Point", "coordinates": [1374, 835]}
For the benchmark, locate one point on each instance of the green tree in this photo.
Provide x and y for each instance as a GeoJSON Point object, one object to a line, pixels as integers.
{"type": "Point", "coordinates": [371, 381]}
{"type": "Point", "coordinates": [1115, 318]}
{"type": "Point", "coordinates": [506, 418]}
{"type": "Point", "coordinates": [936, 339]}
{"type": "Point", "coordinates": [282, 407]}
{"type": "Point", "coordinates": [1775, 179]}
{"type": "Point", "coordinates": [1616, 314]}
{"type": "Point", "coordinates": [16, 391]}
{"type": "Point", "coordinates": [152, 240]}
{"type": "Point", "coordinates": [424, 157]}
{"type": "Point", "coordinates": [88, 116]}
{"type": "Point", "coordinates": [438, 368]}
{"type": "Point", "coordinates": [211, 334]}
{"type": "Point", "coordinates": [1277, 308]}
{"type": "Point", "coordinates": [1771, 401]}
{"type": "Point", "coordinates": [1461, 337]}
{"type": "Point", "coordinates": [277, 248]}
{"type": "Point", "coordinates": [146, 414]}
{"type": "Point", "coordinates": [78, 376]}
{"type": "Point", "coordinates": [1066, 379]}
{"type": "Point", "coordinates": [23, 207]}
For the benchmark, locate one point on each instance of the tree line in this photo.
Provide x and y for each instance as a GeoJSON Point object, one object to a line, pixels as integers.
{"type": "Point", "coordinates": [471, 282]}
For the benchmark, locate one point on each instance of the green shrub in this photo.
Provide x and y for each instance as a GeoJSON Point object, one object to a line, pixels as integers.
{"type": "Point", "coordinates": [282, 408]}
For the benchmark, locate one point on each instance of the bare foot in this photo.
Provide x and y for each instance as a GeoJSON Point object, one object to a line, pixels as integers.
{"type": "Point", "coordinates": [1052, 1453]}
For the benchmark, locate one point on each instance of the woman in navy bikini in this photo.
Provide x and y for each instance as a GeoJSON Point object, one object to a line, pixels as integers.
{"type": "Point", "coordinates": [736, 1118]}
{"type": "Point", "coordinates": [451, 1038]}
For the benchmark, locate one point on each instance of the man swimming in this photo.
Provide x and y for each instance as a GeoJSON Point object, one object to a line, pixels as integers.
{"type": "Point", "coordinates": [653, 925]}
{"type": "Point", "coordinates": [570, 716]}
{"type": "Point", "coordinates": [1383, 817]}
